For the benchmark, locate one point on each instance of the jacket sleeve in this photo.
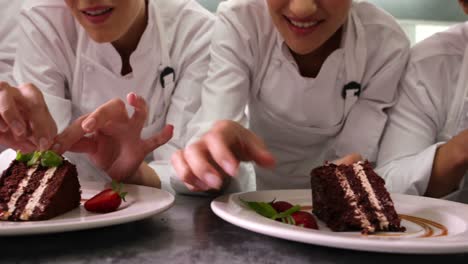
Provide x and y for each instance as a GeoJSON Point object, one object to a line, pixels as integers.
{"type": "Point", "coordinates": [366, 120]}
{"type": "Point", "coordinates": [225, 92]}
{"type": "Point", "coordinates": [41, 59]}
{"type": "Point", "coordinates": [411, 138]}
{"type": "Point", "coordinates": [8, 38]}
{"type": "Point", "coordinates": [191, 37]}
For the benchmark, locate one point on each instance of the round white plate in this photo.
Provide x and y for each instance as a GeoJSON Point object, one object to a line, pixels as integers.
{"type": "Point", "coordinates": [142, 202]}
{"type": "Point", "coordinates": [437, 226]}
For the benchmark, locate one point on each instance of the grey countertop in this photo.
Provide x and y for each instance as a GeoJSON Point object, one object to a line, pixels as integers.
{"type": "Point", "coordinates": [188, 233]}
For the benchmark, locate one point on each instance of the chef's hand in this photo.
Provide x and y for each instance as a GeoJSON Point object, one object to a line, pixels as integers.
{"type": "Point", "coordinates": [113, 141]}
{"type": "Point", "coordinates": [348, 159]}
{"type": "Point", "coordinates": [25, 120]}
{"type": "Point", "coordinates": [209, 163]}
{"type": "Point", "coordinates": [449, 167]}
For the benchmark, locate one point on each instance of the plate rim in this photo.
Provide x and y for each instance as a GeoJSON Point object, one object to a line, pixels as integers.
{"type": "Point", "coordinates": [276, 229]}
{"type": "Point", "coordinates": [29, 227]}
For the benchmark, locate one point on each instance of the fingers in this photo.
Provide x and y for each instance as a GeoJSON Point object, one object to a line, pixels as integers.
{"type": "Point", "coordinates": [24, 145]}
{"type": "Point", "coordinates": [185, 173]}
{"type": "Point", "coordinates": [199, 160]}
{"type": "Point", "coordinates": [9, 111]}
{"type": "Point", "coordinates": [349, 159]}
{"type": "Point", "coordinates": [256, 151]}
{"type": "Point", "coordinates": [70, 136]}
{"type": "Point", "coordinates": [141, 110]}
{"type": "Point", "coordinates": [222, 155]}
{"type": "Point", "coordinates": [159, 139]}
{"type": "Point", "coordinates": [84, 145]}
{"type": "Point", "coordinates": [245, 145]}
{"type": "Point", "coordinates": [41, 123]}
{"type": "Point", "coordinates": [112, 111]}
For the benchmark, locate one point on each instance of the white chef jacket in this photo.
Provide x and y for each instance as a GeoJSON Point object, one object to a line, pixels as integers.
{"type": "Point", "coordinates": [77, 75]}
{"type": "Point", "coordinates": [432, 108]}
{"type": "Point", "coordinates": [303, 121]}
{"type": "Point", "coordinates": [9, 13]}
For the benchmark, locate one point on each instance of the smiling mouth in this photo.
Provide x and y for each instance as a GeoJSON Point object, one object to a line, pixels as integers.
{"type": "Point", "coordinates": [97, 12]}
{"type": "Point", "coordinates": [303, 24]}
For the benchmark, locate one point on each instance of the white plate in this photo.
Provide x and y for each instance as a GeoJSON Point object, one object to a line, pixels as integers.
{"type": "Point", "coordinates": [449, 215]}
{"type": "Point", "coordinates": [142, 202]}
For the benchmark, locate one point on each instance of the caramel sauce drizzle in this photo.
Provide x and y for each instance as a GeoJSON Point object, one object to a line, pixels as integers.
{"type": "Point", "coordinates": [429, 227]}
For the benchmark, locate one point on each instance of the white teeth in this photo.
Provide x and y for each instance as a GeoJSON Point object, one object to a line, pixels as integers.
{"type": "Point", "coordinates": [97, 12]}
{"type": "Point", "coordinates": [304, 24]}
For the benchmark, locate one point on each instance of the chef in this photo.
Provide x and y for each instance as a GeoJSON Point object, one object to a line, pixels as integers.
{"type": "Point", "coordinates": [311, 79]}
{"type": "Point", "coordinates": [424, 150]}
{"type": "Point", "coordinates": [88, 58]}
{"type": "Point", "coordinates": [8, 36]}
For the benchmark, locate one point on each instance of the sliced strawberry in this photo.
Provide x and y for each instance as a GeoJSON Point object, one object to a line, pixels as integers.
{"type": "Point", "coordinates": [106, 201]}
{"type": "Point", "coordinates": [304, 219]}
{"type": "Point", "coordinates": [281, 206]}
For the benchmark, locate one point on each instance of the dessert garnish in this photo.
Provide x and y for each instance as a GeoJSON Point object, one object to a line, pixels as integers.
{"type": "Point", "coordinates": [107, 200]}
{"type": "Point", "coordinates": [284, 212]}
{"type": "Point", "coordinates": [45, 158]}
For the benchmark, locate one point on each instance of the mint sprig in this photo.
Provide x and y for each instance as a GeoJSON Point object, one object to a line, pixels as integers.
{"type": "Point", "coordinates": [267, 210]}
{"type": "Point", "coordinates": [264, 209]}
{"type": "Point", "coordinates": [288, 212]}
{"type": "Point", "coordinates": [23, 157]}
{"type": "Point", "coordinates": [46, 159]}
{"type": "Point", "coordinates": [35, 158]}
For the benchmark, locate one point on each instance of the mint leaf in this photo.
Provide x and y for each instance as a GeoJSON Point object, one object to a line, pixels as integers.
{"type": "Point", "coordinates": [264, 209]}
{"type": "Point", "coordinates": [23, 157]}
{"type": "Point", "coordinates": [35, 158]}
{"type": "Point", "coordinates": [51, 159]}
{"type": "Point", "coordinates": [287, 213]}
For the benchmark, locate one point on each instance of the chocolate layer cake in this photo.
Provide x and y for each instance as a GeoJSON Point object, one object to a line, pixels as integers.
{"type": "Point", "coordinates": [349, 198]}
{"type": "Point", "coordinates": [37, 192]}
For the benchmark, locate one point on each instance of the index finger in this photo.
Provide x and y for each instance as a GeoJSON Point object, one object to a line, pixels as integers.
{"type": "Point", "coordinates": [43, 127]}
{"type": "Point", "coordinates": [112, 111]}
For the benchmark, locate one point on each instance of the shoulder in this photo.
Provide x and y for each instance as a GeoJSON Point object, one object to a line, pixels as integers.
{"type": "Point", "coordinates": [49, 17]}
{"type": "Point", "coordinates": [450, 43]}
{"type": "Point", "coordinates": [436, 62]}
{"type": "Point", "coordinates": [382, 30]}
{"type": "Point", "coordinates": [182, 11]}
{"type": "Point", "coordinates": [251, 16]}
{"type": "Point", "coordinates": [36, 7]}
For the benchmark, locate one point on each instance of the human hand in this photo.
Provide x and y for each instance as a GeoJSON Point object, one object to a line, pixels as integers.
{"type": "Point", "coordinates": [210, 162]}
{"type": "Point", "coordinates": [112, 139]}
{"type": "Point", "coordinates": [25, 121]}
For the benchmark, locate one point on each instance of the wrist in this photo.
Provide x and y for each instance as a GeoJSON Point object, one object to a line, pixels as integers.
{"type": "Point", "coordinates": [454, 156]}
{"type": "Point", "coordinates": [449, 167]}
{"type": "Point", "coordinates": [144, 175]}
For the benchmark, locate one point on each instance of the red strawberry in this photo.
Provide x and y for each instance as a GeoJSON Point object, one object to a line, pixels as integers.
{"type": "Point", "coordinates": [106, 201]}
{"type": "Point", "coordinates": [281, 206]}
{"type": "Point", "coordinates": [304, 219]}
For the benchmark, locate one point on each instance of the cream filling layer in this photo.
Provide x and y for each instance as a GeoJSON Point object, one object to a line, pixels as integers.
{"type": "Point", "coordinates": [14, 198]}
{"type": "Point", "coordinates": [359, 171]}
{"type": "Point", "coordinates": [34, 200]}
{"type": "Point", "coordinates": [349, 194]}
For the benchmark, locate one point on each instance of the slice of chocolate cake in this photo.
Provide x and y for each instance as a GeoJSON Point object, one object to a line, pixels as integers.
{"type": "Point", "coordinates": [38, 188]}
{"type": "Point", "coordinates": [354, 197]}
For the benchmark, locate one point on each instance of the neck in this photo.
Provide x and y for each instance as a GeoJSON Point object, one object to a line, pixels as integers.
{"type": "Point", "coordinates": [128, 43]}
{"type": "Point", "coordinates": [310, 64]}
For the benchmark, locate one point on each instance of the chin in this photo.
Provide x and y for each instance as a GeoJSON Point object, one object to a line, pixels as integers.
{"type": "Point", "coordinates": [302, 48]}
{"type": "Point", "coordinates": [100, 38]}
